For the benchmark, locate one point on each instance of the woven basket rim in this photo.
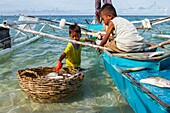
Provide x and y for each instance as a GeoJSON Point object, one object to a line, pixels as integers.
{"type": "Point", "coordinates": [29, 70]}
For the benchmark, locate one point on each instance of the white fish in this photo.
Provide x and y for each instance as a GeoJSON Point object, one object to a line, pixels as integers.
{"type": "Point", "coordinates": [156, 81]}
{"type": "Point", "coordinates": [53, 75]}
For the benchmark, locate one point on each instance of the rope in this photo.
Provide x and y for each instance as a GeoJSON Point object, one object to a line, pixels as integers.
{"type": "Point", "coordinates": [159, 31]}
{"type": "Point", "coordinates": [117, 100]}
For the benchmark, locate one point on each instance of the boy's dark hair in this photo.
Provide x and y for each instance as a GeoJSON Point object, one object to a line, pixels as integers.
{"type": "Point", "coordinates": [108, 9]}
{"type": "Point", "coordinates": [74, 28]}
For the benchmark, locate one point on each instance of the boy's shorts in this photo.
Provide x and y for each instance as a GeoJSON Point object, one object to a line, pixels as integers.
{"type": "Point", "coordinates": [112, 45]}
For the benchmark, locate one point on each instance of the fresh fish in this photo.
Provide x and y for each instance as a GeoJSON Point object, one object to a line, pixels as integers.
{"type": "Point", "coordinates": [136, 68]}
{"type": "Point", "coordinates": [53, 75]}
{"type": "Point", "coordinates": [156, 81]}
{"type": "Point", "coordinates": [154, 54]}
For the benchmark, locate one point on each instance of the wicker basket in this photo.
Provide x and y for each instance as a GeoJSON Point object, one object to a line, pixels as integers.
{"type": "Point", "coordinates": [44, 90]}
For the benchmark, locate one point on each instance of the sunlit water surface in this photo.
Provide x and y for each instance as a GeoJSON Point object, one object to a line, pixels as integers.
{"type": "Point", "coordinates": [98, 93]}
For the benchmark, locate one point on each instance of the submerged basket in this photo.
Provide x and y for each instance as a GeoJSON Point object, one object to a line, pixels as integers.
{"type": "Point", "coordinates": [42, 89]}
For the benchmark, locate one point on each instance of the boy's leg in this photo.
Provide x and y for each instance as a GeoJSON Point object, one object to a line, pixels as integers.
{"type": "Point", "coordinates": [112, 46]}
{"type": "Point", "coordinates": [97, 5]}
{"type": "Point", "coordinates": [97, 8]}
{"type": "Point", "coordinates": [107, 1]}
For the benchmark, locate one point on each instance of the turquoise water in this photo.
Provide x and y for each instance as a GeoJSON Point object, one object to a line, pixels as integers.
{"type": "Point", "coordinates": [97, 94]}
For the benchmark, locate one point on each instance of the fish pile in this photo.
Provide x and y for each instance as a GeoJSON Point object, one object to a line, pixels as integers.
{"type": "Point", "coordinates": [55, 75]}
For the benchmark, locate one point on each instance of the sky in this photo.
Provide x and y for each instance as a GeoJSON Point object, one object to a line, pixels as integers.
{"type": "Point", "coordinates": [82, 7]}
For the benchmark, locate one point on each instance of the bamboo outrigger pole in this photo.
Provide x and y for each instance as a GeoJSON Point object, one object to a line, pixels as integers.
{"type": "Point", "coordinates": [158, 45]}
{"type": "Point", "coordinates": [54, 21]}
{"type": "Point", "coordinates": [146, 24]}
{"type": "Point", "coordinates": [157, 21]}
{"type": "Point", "coordinates": [6, 25]}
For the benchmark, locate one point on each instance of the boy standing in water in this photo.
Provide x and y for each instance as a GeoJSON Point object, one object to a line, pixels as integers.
{"type": "Point", "coordinates": [98, 5]}
{"type": "Point", "coordinates": [72, 52]}
{"type": "Point", "coordinates": [126, 37]}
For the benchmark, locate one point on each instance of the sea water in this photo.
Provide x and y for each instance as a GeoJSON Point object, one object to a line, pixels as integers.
{"type": "Point", "coordinates": [98, 93]}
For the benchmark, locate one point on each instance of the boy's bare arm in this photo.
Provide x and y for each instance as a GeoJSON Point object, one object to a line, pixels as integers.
{"type": "Point", "coordinates": [90, 40]}
{"type": "Point", "coordinates": [63, 55]}
{"type": "Point", "coordinates": [107, 35]}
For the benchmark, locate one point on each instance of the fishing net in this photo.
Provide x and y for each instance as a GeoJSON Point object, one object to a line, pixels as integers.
{"type": "Point", "coordinates": [40, 88]}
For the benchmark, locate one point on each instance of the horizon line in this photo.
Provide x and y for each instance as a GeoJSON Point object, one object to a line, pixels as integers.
{"type": "Point", "coordinates": [83, 14]}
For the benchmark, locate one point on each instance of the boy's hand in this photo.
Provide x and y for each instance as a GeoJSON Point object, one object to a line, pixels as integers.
{"type": "Point", "coordinates": [94, 42]}
{"type": "Point", "coordinates": [99, 50]}
{"type": "Point", "coordinates": [58, 65]}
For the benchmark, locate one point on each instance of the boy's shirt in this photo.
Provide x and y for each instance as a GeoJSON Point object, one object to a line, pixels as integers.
{"type": "Point", "coordinates": [127, 36]}
{"type": "Point", "coordinates": [73, 55]}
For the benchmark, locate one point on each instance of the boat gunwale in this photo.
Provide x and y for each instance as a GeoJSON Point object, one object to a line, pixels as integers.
{"type": "Point", "coordinates": [122, 55]}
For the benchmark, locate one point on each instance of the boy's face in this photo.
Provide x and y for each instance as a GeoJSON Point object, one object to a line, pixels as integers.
{"type": "Point", "coordinates": [105, 18]}
{"type": "Point", "coordinates": [75, 36]}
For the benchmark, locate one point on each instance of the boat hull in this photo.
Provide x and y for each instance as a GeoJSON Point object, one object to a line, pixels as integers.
{"type": "Point", "coordinates": [14, 47]}
{"type": "Point", "coordinates": [136, 95]}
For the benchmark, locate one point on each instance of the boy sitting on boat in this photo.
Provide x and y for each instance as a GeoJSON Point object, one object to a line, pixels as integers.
{"type": "Point", "coordinates": [126, 38]}
{"type": "Point", "coordinates": [72, 52]}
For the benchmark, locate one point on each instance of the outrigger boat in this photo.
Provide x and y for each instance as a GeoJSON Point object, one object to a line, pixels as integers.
{"type": "Point", "coordinates": [10, 43]}
{"type": "Point", "coordinates": [142, 78]}
{"type": "Point", "coordinates": [127, 70]}
{"type": "Point", "coordinates": [133, 73]}
{"type": "Point", "coordinates": [27, 23]}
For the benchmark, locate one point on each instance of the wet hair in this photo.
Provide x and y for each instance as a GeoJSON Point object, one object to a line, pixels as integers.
{"type": "Point", "coordinates": [108, 9]}
{"type": "Point", "coordinates": [74, 28]}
